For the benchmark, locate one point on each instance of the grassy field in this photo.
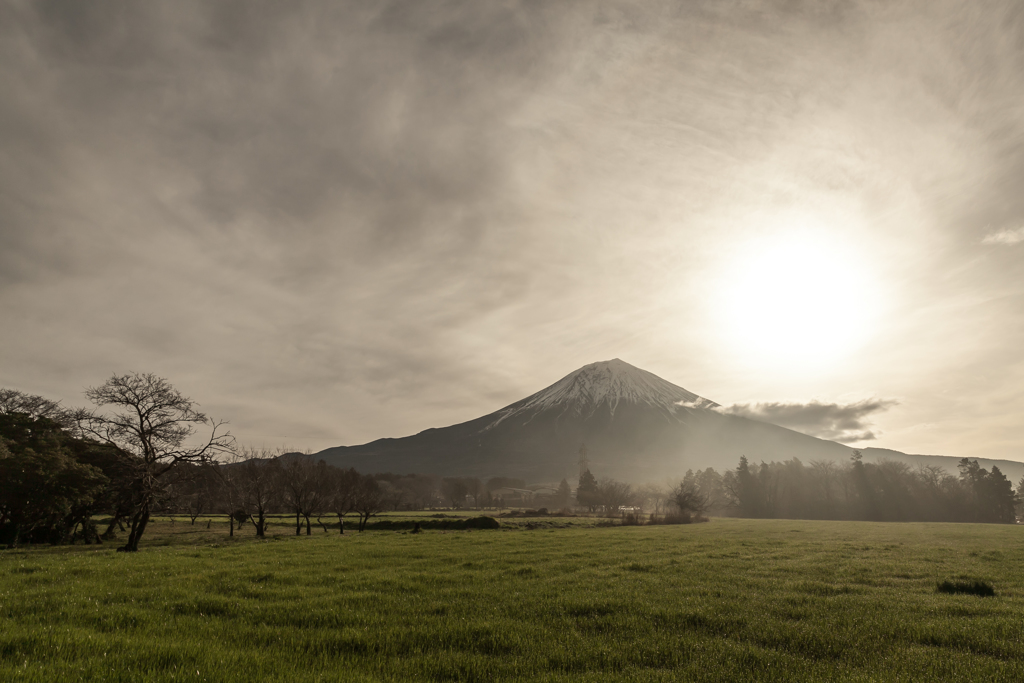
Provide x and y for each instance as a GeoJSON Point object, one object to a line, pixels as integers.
{"type": "Point", "coordinates": [728, 600]}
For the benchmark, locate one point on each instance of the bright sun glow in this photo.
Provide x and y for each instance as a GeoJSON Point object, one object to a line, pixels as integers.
{"type": "Point", "coordinates": [797, 302]}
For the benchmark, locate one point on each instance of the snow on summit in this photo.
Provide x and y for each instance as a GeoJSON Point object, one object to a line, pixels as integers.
{"type": "Point", "coordinates": [607, 382]}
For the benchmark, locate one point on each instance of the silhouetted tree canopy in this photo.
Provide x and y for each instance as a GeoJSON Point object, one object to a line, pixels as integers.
{"type": "Point", "coordinates": [52, 482]}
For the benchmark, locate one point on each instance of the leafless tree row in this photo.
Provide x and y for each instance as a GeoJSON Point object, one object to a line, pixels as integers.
{"type": "Point", "coordinates": [257, 483]}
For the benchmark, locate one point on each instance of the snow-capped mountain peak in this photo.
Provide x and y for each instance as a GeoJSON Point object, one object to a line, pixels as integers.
{"type": "Point", "coordinates": [610, 383]}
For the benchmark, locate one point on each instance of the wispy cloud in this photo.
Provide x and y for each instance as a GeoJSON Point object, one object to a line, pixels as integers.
{"type": "Point", "coordinates": [698, 403]}
{"type": "Point", "coordinates": [333, 222]}
{"type": "Point", "coordinates": [845, 423]}
{"type": "Point", "coordinates": [1006, 237]}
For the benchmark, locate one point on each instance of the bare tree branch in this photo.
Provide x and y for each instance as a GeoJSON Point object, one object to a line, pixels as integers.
{"type": "Point", "coordinates": [154, 422]}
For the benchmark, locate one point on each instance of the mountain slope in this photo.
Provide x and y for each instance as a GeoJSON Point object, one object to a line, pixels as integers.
{"type": "Point", "coordinates": [636, 427]}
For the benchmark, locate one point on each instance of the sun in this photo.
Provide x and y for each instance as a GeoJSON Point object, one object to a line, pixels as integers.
{"type": "Point", "coordinates": [799, 301]}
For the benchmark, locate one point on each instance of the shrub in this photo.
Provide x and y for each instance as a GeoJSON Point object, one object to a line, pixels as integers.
{"type": "Point", "coordinates": [982, 589]}
{"type": "Point", "coordinates": [482, 523]}
{"type": "Point", "coordinates": [632, 519]}
{"type": "Point", "coordinates": [677, 518]}
{"type": "Point", "coordinates": [447, 524]}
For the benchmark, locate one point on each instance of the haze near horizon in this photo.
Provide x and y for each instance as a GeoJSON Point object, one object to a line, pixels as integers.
{"type": "Point", "coordinates": [334, 222]}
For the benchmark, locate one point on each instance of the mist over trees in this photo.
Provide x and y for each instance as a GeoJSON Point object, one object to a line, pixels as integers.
{"type": "Point", "coordinates": [884, 491]}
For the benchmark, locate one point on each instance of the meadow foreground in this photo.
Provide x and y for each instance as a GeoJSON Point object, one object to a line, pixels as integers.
{"type": "Point", "coordinates": [728, 600]}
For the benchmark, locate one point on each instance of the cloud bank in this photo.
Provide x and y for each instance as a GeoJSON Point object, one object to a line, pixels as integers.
{"type": "Point", "coordinates": [1007, 237]}
{"type": "Point", "coordinates": [845, 423]}
{"type": "Point", "coordinates": [331, 222]}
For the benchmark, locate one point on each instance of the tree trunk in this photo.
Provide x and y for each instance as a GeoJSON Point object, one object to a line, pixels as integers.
{"type": "Point", "coordinates": [341, 524]}
{"type": "Point", "coordinates": [298, 524]}
{"type": "Point", "coordinates": [127, 547]}
{"type": "Point", "coordinates": [142, 528]}
{"type": "Point", "coordinates": [308, 531]}
{"type": "Point", "coordinates": [114, 521]}
{"type": "Point", "coordinates": [260, 525]}
{"type": "Point", "coordinates": [231, 518]}
{"type": "Point", "coordinates": [139, 523]}
{"type": "Point", "coordinates": [14, 539]}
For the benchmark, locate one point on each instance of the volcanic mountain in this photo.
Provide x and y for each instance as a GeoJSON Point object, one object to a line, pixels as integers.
{"type": "Point", "coordinates": [635, 427]}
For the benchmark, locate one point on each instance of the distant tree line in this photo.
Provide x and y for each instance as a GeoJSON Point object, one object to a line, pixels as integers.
{"type": "Point", "coordinates": [137, 454]}
{"type": "Point", "coordinates": [259, 483]}
{"type": "Point", "coordinates": [649, 504]}
{"type": "Point", "coordinates": [858, 490]}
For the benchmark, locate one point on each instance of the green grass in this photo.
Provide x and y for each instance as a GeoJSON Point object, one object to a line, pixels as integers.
{"type": "Point", "coordinates": [728, 600]}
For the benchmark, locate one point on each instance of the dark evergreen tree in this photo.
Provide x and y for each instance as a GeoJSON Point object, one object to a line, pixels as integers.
{"type": "Point", "coordinates": [863, 503]}
{"type": "Point", "coordinates": [563, 495]}
{"type": "Point", "coordinates": [587, 493]}
{"type": "Point", "coordinates": [749, 491]}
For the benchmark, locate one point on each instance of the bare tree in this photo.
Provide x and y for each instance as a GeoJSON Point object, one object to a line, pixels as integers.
{"type": "Point", "coordinates": [194, 489]}
{"type": "Point", "coordinates": [612, 495]}
{"type": "Point", "coordinates": [394, 495]}
{"type": "Point", "coordinates": [298, 478]}
{"type": "Point", "coordinates": [475, 488]}
{"type": "Point", "coordinates": [711, 485]}
{"type": "Point", "coordinates": [689, 499]}
{"type": "Point", "coordinates": [326, 478]}
{"type": "Point", "coordinates": [227, 492]}
{"type": "Point", "coordinates": [455, 489]}
{"type": "Point", "coordinates": [255, 480]}
{"type": "Point", "coordinates": [14, 401]}
{"type": "Point", "coordinates": [154, 423]}
{"type": "Point", "coordinates": [420, 490]}
{"type": "Point", "coordinates": [320, 494]}
{"type": "Point", "coordinates": [368, 500]}
{"type": "Point", "coordinates": [651, 497]}
{"type": "Point", "coordinates": [342, 492]}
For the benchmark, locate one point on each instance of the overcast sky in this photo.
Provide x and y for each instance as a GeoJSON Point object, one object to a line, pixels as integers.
{"type": "Point", "coordinates": [331, 222]}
